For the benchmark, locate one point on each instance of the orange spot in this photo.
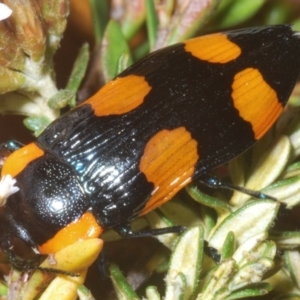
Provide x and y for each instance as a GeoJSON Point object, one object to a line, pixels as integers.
{"type": "Point", "coordinates": [168, 162]}
{"type": "Point", "coordinates": [119, 96]}
{"type": "Point", "coordinates": [255, 100]}
{"type": "Point", "coordinates": [18, 160]}
{"type": "Point", "coordinates": [215, 48]}
{"type": "Point", "coordinates": [84, 228]}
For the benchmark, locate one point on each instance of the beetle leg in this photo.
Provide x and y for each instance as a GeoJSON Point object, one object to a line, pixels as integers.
{"type": "Point", "coordinates": [19, 263]}
{"type": "Point", "coordinates": [214, 182]}
{"type": "Point", "coordinates": [212, 252]}
{"type": "Point", "coordinates": [102, 264]}
{"type": "Point", "coordinates": [125, 231]}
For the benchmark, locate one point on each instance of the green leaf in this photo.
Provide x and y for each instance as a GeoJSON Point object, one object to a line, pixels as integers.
{"type": "Point", "coordinates": [84, 293]}
{"type": "Point", "coordinates": [220, 206]}
{"type": "Point", "coordinates": [123, 62]}
{"type": "Point", "coordinates": [292, 170]}
{"type": "Point", "coordinates": [286, 239]}
{"type": "Point", "coordinates": [228, 246]}
{"type": "Point", "coordinates": [250, 246]}
{"type": "Point", "coordinates": [133, 18]}
{"type": "Point", "coordinates": [113, 47]}
{"type": "Point", "coordinates": [184, 271]}
{"type": "Point", "coordinates": [294, 133]}
{"type": "Point", "coordinates": [237, 168]}
{"type": "Point", "coordinates": [234, 12]}
{"type": "Point", "coordinates": [216, 281]}
{"type": "Point", "coordinates": [152, 22]}
{"type": "Point", "coordinates": [189, 17]}
{"type": "Point", "coordinates": [140, 51]}
{"type": "Point", "coordinates": [36, 124]}
{"type": "Point", "coordinates": [100, 11]}
{"type": "Point", "coordinates": [78, 72]}
{"type": "Point", "coordinates": [3, 289]}
{"type": "Point", "coordinates": [61, 99]}
{"type": "Point", "coordinates": [181, 213]}
{"type": "Point", "coordinates": [286, 191]}
{"type": "Point", "coordinates": [292, 262]}
{"type": "Point", "coordinates": [278, 13]}
{"type": "Point", "coordinates": [250, 273]}
{"type": "Point", "coordinates": [209, 220]}
{"type": "Point", "coordinates": [254, 290]}
{"type": "Point", "coordinates": [152, 293]}
{"type": "Point", "coordinates": [296, 24]}
{"type": "Point", "coordinates": [268, 166]}
{"type": "Point", "coordinates": [251, 219]}
{"type": "Point", "coordinates": [122, 288]}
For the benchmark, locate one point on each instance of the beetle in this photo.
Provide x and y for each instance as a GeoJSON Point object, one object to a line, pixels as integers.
{"type": "Point", "coordinates": [173, 116]}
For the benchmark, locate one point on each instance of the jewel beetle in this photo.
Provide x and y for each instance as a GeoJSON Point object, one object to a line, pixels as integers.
{"type": "Point", "coordinates": [173, 116]}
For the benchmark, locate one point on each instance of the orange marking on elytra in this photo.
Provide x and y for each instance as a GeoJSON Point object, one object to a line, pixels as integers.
{"type": "Point", "coordinates": [255, 100]}
{"type": "Point", "coordinates": [168, 162]}
{"type": "Point", "coordinates": [16, 162]}
{"type": "Point", "coordinates": [214, 48]}
{"type": "Point", "coordinates": [119, 96]}
{"type": "Point", "coordinates": [84, 228]}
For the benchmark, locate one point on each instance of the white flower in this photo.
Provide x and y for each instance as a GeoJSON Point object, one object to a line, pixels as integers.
{"type": "Point", "coordinates": [7, 188]}
{"type": "Point", "coordinates": [5, 11]}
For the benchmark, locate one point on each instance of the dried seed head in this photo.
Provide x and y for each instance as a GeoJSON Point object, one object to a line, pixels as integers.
{"type": "Point", "coordinates": [27, 25]}
{"type": "Point", "coordinates": [55, 15]}
{"type": "Point", "coordinates": [11, 54]}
